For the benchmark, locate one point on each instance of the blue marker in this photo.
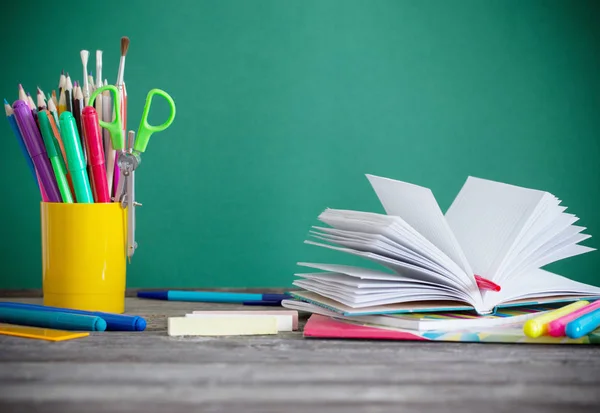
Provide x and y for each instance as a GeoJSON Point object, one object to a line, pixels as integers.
{"type": "Point", "coordinates": [211, 296]}
{"type": "Point", "coordinates": [114, 322]}
{"type": "Point", "coordinates": [46, 319]}
{"type": "Point", "coordinates": [583, 325]}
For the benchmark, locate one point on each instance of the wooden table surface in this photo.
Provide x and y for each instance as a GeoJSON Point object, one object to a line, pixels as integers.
{"type": "Point", "coordinates": [152, 372]}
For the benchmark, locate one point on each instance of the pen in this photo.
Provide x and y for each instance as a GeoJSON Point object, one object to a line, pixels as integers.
{"type": "Point", "coordinates": [211, 296]}
{"type": "Point", "coordinates": [584, 324]}
{"type": "Point", "coordinates": [94, 143]}
{"type": "Point", "coordinates": [538, 326]}
{"type": "Point", "coordinates": [557, 327]}
{"type": "Point", "coordinates": [35, 148]}
{"type": "Point", "coordinates": [75, 161]}
{"type": "Point", "coordinates": [57, 166]}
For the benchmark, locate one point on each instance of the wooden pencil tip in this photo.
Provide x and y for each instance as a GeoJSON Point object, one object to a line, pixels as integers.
{"type": "Point", "coordinates": [124, 45]}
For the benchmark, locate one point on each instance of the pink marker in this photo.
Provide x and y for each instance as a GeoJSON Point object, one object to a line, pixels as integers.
{"type": "Point", "coordinates": [556, 328]}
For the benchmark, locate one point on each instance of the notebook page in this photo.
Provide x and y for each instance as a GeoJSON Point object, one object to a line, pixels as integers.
{"type": "Point", "coordinates": [383, 248]}
{"type": "Point", "coordinates": [545, 212]}
{"type": "Point", "coordinates": [417, 206]}
{"type": "Point", "coordinates": [487, 217]}
{"type": "Point", "coordinates": [370, 293]}
{"type": "Point", "coordinates": [560, 253]}
{"type": "Point", "coordinates": [358, 272]}
{"type": "Point", "coordinates": [371, 277]}
{"type": "Point", "coordinates": [408, 270]}
{"type": "Point", "coordinates": [359, 302]}
{"type": "Point", "coordinates": [403, 251]}
{"type": "Point", "coordinates": [539, 283]}
{"type": "Point", "coordinates": [396, 229]}
{"type": "Point", "coordinates": [560, 224]}
{"type": "Point", "coordinates": [343, 279]}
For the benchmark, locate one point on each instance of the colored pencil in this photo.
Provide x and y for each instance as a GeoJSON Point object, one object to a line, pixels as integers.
{"type": "Point", "coordinates": [69, 93]}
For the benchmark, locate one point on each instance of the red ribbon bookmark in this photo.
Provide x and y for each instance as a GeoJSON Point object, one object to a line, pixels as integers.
{"type": "Point", "coordinates": [485, 284]}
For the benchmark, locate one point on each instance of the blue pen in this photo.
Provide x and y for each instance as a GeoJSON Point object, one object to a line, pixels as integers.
{"type": "Point", "coordinates": [583, 325]}
{"type": "Point", "coordinates": [114, 322]}
{"type": "Point", "coordinates": [264, 303]}
{"type": "Point", "coordinates": [17, 132]}
{"type": "Point", "coordinates": [45, 319]}
{"type": "Point", "coordinates": [210, 296]}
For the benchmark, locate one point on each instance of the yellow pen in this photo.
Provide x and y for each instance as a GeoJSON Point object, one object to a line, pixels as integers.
{"type": "Point", "coordinates": [539, 326]}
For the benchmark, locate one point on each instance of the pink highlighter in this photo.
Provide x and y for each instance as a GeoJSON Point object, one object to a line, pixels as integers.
{"type": "Point", "coordinates": [557, 327]}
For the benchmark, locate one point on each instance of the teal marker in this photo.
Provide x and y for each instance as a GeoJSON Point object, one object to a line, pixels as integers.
{"type": "Point", "coordinates": [75, 159]}
{"type": "Point", "coordinates": [56, 320]}
{"type": "Point", "coordinates": [583, 325]}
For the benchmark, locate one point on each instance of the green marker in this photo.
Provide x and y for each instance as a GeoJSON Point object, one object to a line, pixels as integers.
{"type": "Point", "coordinates": [75, 161]}
{"type": "Point", "coordinates": [57, 165]}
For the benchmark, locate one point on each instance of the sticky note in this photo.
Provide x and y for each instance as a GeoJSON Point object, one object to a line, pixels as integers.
{"type": "Point", "coordinates": [292, 313]}
{"type": "Point", "coordinates": [47, 334]}
{"type": "Point", "coordinates": [227, 326]}
{"type": "Point", "coordinates": [284, 322]}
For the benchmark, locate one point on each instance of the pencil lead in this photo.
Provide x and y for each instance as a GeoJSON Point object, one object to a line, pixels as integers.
{"type": "Point", "coordinates": [6, 101]}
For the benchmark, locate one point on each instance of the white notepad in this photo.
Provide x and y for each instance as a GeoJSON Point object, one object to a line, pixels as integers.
{"type": "Point", "coordinates": [215, 326]}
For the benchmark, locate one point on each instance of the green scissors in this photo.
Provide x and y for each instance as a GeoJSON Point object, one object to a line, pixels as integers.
{"type": "Point", "coordinates": [129, 158]}
{"type": "Point", "coordinates": [145, 130]}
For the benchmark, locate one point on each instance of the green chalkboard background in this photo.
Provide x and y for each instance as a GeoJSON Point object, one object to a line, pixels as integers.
{"type": "Point", "coordinates": [284, 106]}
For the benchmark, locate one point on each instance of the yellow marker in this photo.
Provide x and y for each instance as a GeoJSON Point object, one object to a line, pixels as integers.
{"type": "Point", "coordinates": [40, 333]}
{"type": "Point", "coordinates": [539, 326]}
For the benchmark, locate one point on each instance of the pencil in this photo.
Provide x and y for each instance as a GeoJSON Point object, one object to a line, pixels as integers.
{"type": "Point", "coordinates": [62, 82]}
{"type": "Point", "coordinates": [69, 93]}
{"type": "Point", "coordinates": [77, 108]}
{"type": "Point", "coordinates": [91, 83]}
{"type": "Point", "coordinates": [109, 153]}
{"type": "Point", "coordinates": [62, 102]}
{"type": "Point", "coordinates": [22, 94]}
{"type": "Point", "coordinates": [41, 100]}
{"type": "Point", "coordinates": [54, 98]}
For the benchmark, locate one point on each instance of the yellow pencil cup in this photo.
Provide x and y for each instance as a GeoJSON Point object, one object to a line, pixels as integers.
{"type": "Point", "coordinates": [84, 256]}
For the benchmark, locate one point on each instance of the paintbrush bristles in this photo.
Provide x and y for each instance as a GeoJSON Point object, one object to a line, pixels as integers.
{"type": "Point", "coordinates": [124, 45]}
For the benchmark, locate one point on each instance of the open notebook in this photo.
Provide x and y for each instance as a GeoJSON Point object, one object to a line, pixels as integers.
{"type": "Point", "coordinates": [487, 251]}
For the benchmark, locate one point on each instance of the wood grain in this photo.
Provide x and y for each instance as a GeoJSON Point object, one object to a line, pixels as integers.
{"type": "Point", "coordinates": [151, 372]}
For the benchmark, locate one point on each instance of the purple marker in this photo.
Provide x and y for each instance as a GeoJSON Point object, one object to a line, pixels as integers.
{"type": "Point", "coordinates": [37, 150]}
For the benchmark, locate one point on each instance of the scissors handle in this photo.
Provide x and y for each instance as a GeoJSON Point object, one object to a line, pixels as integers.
{"type": "Point", "coordinates": [146, 130]}
{"type": "Point", "coordinates": [114, 128]}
